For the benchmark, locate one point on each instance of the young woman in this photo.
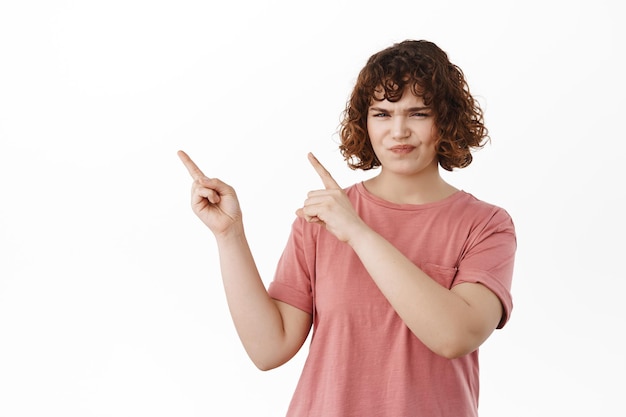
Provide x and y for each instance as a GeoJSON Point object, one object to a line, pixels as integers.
{"type": "Point", "coordinates": [402, 276]}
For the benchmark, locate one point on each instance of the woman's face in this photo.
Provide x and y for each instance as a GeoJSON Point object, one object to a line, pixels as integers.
{"type": "Point", "coordinates": [403, 134]}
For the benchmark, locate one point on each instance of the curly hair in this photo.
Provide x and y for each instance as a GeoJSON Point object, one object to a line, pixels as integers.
{"type": "Point", "coordinates": [425, 69]}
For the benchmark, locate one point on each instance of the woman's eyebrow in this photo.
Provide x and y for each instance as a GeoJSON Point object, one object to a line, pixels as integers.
{"type": "Point", "coordinates": [417, 108]}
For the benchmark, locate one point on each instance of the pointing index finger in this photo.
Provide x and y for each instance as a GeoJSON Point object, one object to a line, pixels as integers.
{"type": "Point", "coordinates": [193, 169]}
{"type": "Point", "coordinates": [327, 179]}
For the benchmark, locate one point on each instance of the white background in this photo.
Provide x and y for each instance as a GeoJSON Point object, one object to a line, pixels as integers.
{"type": "Point", "coordinates": [111, 302]}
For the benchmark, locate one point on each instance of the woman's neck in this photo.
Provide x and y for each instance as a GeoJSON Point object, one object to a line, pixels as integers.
{"type": "Point", "coordinates": [428, 187]}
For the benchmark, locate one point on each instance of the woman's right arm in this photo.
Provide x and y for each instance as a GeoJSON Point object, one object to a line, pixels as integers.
{"type": "Point", "coordinates": [271, 331]}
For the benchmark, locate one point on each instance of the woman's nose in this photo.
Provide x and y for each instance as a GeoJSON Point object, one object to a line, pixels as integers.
{"type": "Point", "coordinates": [400, 128]}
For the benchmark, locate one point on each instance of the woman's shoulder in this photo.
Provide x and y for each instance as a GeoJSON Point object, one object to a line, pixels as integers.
{"type": "Point", "coordinates": [483, 211]}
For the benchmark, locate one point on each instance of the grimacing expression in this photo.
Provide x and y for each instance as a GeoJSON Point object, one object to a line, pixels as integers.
{"type": "Point", "coordinates": [403, 134]}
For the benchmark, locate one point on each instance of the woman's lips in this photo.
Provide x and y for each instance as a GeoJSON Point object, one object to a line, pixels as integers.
{"type": "Point", "coordinates": [402, 148]}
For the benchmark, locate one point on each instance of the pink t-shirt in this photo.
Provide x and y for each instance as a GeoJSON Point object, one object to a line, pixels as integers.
{"type": "Point", "coordinates": [363, 360]}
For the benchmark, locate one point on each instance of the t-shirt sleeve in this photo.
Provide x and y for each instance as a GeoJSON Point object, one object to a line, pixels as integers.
{"type": "Point", "coordinates": [295, 269]}
{"type": "Point", "coordinates": [490, 257]}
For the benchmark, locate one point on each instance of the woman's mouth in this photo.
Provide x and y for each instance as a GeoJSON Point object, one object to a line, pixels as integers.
{"type": "Point", "coordinates": [402, 149]}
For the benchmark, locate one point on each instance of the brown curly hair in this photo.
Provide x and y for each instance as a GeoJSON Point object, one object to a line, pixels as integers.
{"type": "Point", "coordinates": [425, 69]}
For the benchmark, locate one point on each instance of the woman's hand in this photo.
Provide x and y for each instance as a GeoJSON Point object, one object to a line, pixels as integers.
{"type": "Point", "coordinates": [213, 201]}
{"type": "Point", "coordinates": [330, 206]}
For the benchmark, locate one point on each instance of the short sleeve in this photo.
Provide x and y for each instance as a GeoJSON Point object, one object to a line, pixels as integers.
{"type": "Point", "coordinates": [294, 271]}
{"type": "Point", "coordinates": [489, 258]}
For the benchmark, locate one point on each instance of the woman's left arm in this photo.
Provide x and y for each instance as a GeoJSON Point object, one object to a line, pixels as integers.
{"type": "Point", "coordinates": [451, 322]}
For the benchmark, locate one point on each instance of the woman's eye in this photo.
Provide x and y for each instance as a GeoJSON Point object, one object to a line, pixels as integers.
{"type": "Point", "coordinates": [380, 114]}
{"type": "Point", "coordinates": [419, 114]}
